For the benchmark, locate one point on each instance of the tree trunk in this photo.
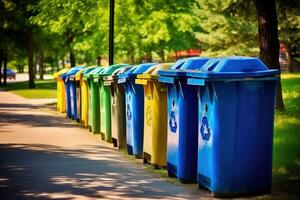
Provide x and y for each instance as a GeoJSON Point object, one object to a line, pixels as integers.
{"type": "Point", "coordinates": [289, 57]}
{"type": "Point", "coordinates": [130, 55]}
{"type": "Point", "coordinates": [5, 69]}
{"type": "Point", "coordinates": [35, 61]}
{"type": "Point", "coordinates": [162, 55]}
{"type": "Point", "coordinates": [41, 65]}
{"type": "Point", "coordinates": [72, 58]}
{"type": "Point", "coordinates": [1, 58]}
{"type": "Point", "coordinates": [99, 58]}
{"type": "Point", "coordinates": [30, 58]}
{"type": "Point", "coordinates": [63, 63]}
{"type": "Point", "coordinates": [268, 40]}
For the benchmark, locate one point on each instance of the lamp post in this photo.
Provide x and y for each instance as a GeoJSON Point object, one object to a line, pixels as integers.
{"type": "Point", "coordinates": [111, 33]}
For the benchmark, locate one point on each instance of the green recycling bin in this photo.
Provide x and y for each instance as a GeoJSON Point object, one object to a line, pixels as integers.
{"type": "Point", "coordinates": [118, 118]}
{"type": "Point", "coordinates": [94, 106]}
{"type": "Point", "coordinates": [105, 101]}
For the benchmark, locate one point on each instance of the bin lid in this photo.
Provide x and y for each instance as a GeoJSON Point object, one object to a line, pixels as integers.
{"type": "Point", "coordinates": [83, 71]}
{"type": "Point", "coordinates": [152, 73]}
{"type": "Point", "coordinates": [96, 70]}
{"type": "Point", "coordinates": [134, 71]}
{"type": "Point", "coordinates": [233, 67]}
{"type": "Point", "coordinates": [109, 70]}
{"type": "Point", "coordinates": [109, 79]}
{"type": "Point", "coordinates": [71, 72]}
{"type": "Point", "coordinates": [182, 65]}
{"type": "Point", "coordinates": [60, 72]}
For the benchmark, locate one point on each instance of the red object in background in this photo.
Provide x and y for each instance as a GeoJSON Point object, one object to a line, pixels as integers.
{"type": "Point", "coordinates": [282, 48]}
{"type": "Point", "coordinates": [188, 53]}
{"type": "Point", "coordinates": [184, 54]}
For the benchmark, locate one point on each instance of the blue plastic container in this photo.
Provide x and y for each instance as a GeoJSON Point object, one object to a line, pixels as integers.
{"type": "Point", "coordinates": [236, 98]}
{"type": "Point", "coordinates": [70, 85]}
{"type": "Point", "coordinates": [134, 100]}
{"type": "Point", "coordinates": [182, 119]}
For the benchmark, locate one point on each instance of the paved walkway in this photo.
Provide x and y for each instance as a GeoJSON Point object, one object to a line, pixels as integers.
{"type": "Point", "coordinates": [44, 155]}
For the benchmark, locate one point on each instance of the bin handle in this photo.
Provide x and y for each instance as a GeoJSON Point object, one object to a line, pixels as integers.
{"type": "Point", "coordinates": [132, 87]}
{"type": "Point", "coordinates": [114, 90]}
{"type": "Point", "coordinates": [181, 90]}
{"type": "Point", "coordinates": [214, 92]}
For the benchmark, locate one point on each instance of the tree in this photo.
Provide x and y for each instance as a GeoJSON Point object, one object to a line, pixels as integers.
{"type": "Point", "coordinates": [289, 26]}
{"type": "Point", "coordinates": [228, 28]}
{"type": "Point", "coordinates": [70, 19]}
{"type": "Point", "coordinates": [167, 25]}
{"type": "Point", "coordinates": [268, 40]}
{"type": "Point", "coordinates": [17, 29]}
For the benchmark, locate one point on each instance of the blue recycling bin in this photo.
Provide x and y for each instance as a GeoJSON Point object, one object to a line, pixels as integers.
{"type": "Point", "coordinates": [134, 100]}
{"type": "Point", "coordinates": [236, 97]}
{"type": "Point", "coordinates": [71, 92]}
{"type": "Point", "coordinates": [182, 119]}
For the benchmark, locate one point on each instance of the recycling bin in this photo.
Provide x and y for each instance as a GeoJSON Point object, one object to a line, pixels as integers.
{"type": "Point", "coordinates": [69, 88]}
{"type": "Point", "coordinates": [117, 96]}
{"type": "Point", "coordinates": [182, 119]}
{"type": "Point", "coordinates": [134, 100]}
{"type": "Point", "coordinates": [105, 101]}
{"type": "Point", "coordinates": [83, 102]}
{"type": "Point", "coordinates": [73, 90]}
{"type": "Point", "coordinates": [236, 118]}
{"type": "Point", "coordinates": [61, 91]}
{"type": "Point", "coordinates": [155, 119]}
{"type": "Point", "coordinates": [94, 105]}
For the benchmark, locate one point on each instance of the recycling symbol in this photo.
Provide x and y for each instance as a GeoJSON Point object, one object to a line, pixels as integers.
{"type": "Point", "coordinates": [205, 130]}
{"type": "Point", "coordinates": [128, 112]}
{"type": "Point", "coordinates": [172, 122]}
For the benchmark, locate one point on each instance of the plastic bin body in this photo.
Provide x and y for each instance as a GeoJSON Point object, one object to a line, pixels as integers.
{"type": "Point", "coordinates": [236, 116]}
{"type": "Point", "coordinates": [61, 90]}
{"type": "Point", "coordinates": [74, 91]}
{"type": "Point", "coordinates": [105, 102]}
{"type": "Point", "coordinates": [155, 116]}
{"type": "Point", "coordinates": [182, 120]}
{"type": "Point", "coordinates": [94, 106]}
{"type": "Point", "coordinates": [83, 102]}
{"type": "Point", "coordinates": [134, 101]}
{"type": "Point", "coordinates": [117, 96]}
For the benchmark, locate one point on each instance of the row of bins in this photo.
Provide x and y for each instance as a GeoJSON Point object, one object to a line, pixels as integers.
{"type": "Point", "coordinates": [207, 120]}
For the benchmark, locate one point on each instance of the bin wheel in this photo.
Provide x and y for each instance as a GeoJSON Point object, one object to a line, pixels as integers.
{"type": "Point", "coordinates": [115, 142]}
{"type": "Point", "coordinates": [145, 161]}
{"type": "Point", "coordinates": [102, 136]}
{"type": "Point", "coordinates": [171, 175]}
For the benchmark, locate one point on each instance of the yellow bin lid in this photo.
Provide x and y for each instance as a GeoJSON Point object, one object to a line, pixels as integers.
{"type": "Point", "coordinates": [62, 71]}
{"type": "Point", "coordinates": [151, 73]}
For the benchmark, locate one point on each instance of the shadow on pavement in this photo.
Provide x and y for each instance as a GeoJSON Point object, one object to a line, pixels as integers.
{"type": "Point", "coordinates": [48, 172]}
{"type": "Point", "coordinates": [23, 115]}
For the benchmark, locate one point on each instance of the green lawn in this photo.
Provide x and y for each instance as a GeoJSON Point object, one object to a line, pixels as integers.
{"type": "Point", "coordinates": [44, 89]}
{"type": "Point", "coordinates": [286, 149]}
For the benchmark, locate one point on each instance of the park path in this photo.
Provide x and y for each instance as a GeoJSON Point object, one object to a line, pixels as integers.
{"type": "Point", "coordinates": [44, 155]}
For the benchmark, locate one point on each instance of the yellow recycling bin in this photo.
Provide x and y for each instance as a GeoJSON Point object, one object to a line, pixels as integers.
{"type": "Point", "coordinates": [83, 105]}
{"type": "Point", "coordinates": [61, 91]}
{"type": "Point", "coordinates": [155, 115]}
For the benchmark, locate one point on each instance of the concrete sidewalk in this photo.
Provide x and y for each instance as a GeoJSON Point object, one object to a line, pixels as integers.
{"type": "Point", "coordinates": [44, 155]}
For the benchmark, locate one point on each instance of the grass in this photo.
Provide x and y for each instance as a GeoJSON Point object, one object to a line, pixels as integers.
{"type": "Point", "coordinates": [44, 89]}
{"type": "Point", "coordinates": [286, 149]}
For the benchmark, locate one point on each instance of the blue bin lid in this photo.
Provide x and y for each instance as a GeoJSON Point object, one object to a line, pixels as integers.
{"type": "Point", "coordinates": [134, 71]}
{"type": "Point", "coordinates": [233, 67]}
{"type": "Point", "coordinates": [71, 72]}
{"type": "Point", "coordinates": [181, 66]}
